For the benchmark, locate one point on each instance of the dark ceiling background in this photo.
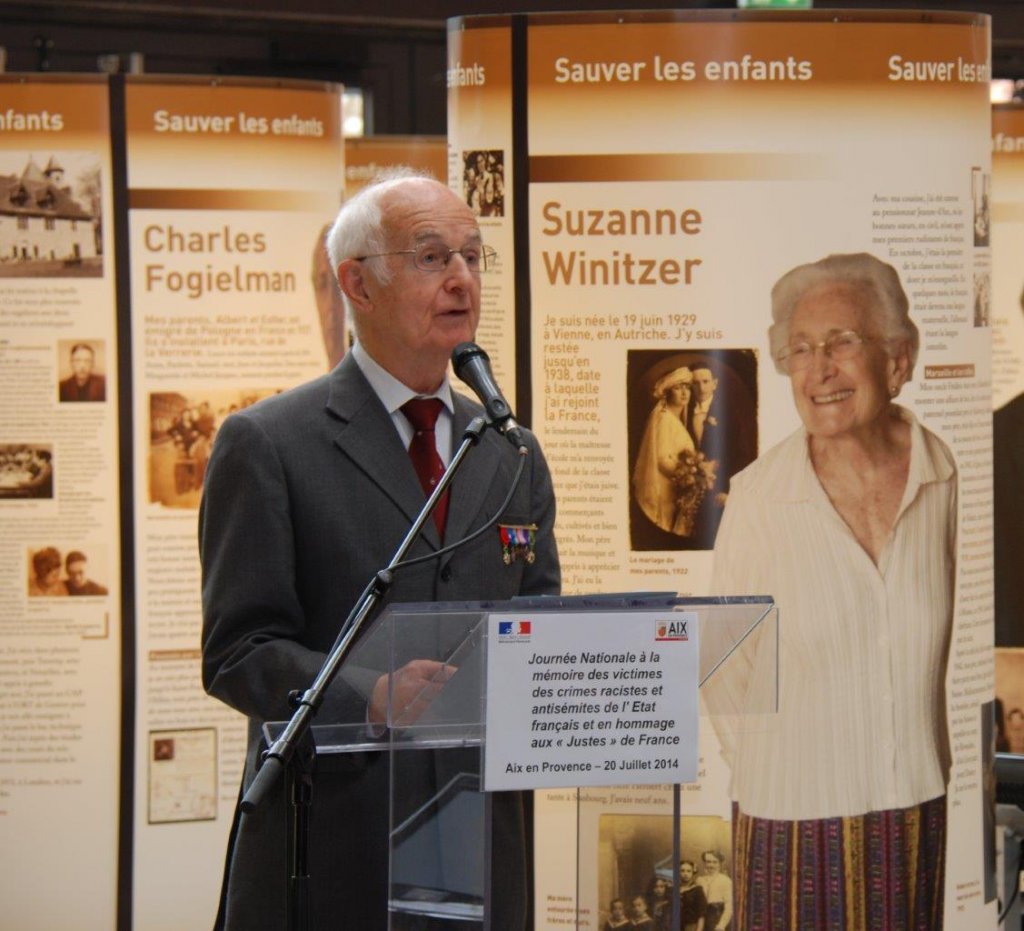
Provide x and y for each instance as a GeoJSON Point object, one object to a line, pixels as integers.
{"type": "Point", "coordinates": [394, 50]}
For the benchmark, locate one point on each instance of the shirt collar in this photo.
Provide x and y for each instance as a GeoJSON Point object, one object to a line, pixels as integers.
{"type": "Point", "coordinates": [392, 392]}
{"type": "Point", "coordinates": [926, 465]}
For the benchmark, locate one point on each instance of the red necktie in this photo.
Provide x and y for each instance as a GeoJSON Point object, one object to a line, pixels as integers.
{"type": "Point", "coordinates": [422, 414]}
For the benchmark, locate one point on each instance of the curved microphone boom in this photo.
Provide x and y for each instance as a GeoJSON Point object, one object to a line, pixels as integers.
{"type": "Point", "coordinates": [473, 366]}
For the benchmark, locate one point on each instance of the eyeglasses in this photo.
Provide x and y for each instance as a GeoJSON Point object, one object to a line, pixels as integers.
{"type": "Point", "coordinates": [838, 346]}
{"type": "Point", "coordinates": [434, 256]}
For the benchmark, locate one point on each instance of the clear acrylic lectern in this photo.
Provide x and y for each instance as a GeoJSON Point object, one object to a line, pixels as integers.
{"type": "Point", "coordinates": [458, 855]}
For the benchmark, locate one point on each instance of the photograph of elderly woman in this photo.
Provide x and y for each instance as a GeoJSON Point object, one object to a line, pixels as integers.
{"type": "Point", "coordinates": [692, 425]}
{"type": "Point", "coordinates": [850, 523]}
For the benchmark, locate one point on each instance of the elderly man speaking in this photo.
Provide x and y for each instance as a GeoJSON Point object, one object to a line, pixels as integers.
{"type": "Point", "coordinates": [308, 495]}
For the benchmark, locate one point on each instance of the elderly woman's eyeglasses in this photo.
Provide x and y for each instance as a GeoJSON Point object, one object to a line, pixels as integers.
{"type": "Point", "coordinates": [838, 346]}
{"type": "Point", "coordinates": [435, 256]}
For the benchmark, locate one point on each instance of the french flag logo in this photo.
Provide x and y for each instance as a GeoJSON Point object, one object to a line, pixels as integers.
{"type": "Point", "coordinates": [515, 631]}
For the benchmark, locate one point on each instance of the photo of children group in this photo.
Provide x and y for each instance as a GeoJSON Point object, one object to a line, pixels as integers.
{"type": "Point", "coordinates": [638, 873]}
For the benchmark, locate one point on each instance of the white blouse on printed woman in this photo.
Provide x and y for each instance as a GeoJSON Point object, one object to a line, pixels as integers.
{"type": "Point", "coordinates": [861, 724]}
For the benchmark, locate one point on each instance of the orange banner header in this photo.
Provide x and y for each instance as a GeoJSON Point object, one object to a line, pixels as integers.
{"type": "Point", "coordinates": [212, 109]}
{"type": "Point", "coordinates": [1008, 131]}
{"type": "Point", "coordinates": [760, 54]}
{"type": "Point", "coordinates": [46, 112]}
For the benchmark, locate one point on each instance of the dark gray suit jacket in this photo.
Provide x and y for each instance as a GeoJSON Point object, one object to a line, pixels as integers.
{"type": "Point", "coordinates": [307, 495]}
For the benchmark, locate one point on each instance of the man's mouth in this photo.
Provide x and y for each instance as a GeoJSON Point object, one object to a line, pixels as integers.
{"type": "Point", "coordinates": [833, 396]}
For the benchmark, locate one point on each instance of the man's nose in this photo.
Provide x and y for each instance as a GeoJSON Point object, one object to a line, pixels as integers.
{"type": "Point", "coordinates": [457, 272]}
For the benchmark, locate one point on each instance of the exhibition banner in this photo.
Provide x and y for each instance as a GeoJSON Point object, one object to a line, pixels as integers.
{"type": "Point", "coordinates": [230, 185]}
{"type": "Point", "coordinates": [366, 156]}
{"type": "Point", "coordinates": [1006, 306]}
{"type": "Point", "coordinates": [60, 610]}
{"type": "Point", "coordinates": [679, 165]}
{"type": "Point", "coordinates": [480, 141]}
{"type": "Point", "coordinates": [59, 619]}
{"type": "Point", "coordinates": [1006, 303]}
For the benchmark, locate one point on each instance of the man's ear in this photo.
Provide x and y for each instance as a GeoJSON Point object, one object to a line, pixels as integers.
{"type": "Point", "coordinates": [352, 281]}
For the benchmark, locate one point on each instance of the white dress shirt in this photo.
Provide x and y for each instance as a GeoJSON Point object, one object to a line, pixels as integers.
{"type": "Point", "coordinates": [861, 724]}
{"type": "Point", "coordinates": [393, 394]}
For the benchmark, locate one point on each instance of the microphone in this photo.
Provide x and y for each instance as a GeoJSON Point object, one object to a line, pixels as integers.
{"type": "Point", "coordinates": [473, 366]}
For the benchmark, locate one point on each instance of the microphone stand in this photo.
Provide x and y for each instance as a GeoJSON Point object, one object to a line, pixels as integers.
{"type": "Point", "coordinates": [294, 748]}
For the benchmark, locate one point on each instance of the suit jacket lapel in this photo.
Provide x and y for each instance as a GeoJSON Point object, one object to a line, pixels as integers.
{"type": "Point", "coordinates": [367, 436]}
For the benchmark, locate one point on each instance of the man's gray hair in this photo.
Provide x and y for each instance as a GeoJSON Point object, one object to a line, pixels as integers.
{"type": "Point", "coordinates": [878, 283]}
{"type": "Point", "coordinates": [356, 230]}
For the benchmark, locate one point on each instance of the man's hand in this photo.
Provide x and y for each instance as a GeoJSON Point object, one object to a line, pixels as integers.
{"type": "Point", "coordinates": [414, 687]}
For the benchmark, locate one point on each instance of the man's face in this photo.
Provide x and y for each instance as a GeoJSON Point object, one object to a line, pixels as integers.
{"type": "Point", "coordinates": [704, 384]}
{"type": "Point", "coordinates": [81, 364]}
{"type": "Point", "coordinates": [412, 323]}
{"type": "Point", "coordinates": [76, 573]}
